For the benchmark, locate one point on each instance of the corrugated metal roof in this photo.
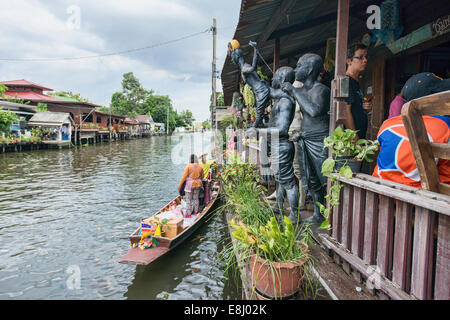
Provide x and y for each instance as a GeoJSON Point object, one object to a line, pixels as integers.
{"type": "Point", "coordinates": [258, 17]}
{"type": "Point", "coordinates": [7, 104]}
{"type": "Point", "coordinates": [25, 83]}
{"type": "Point", "coordinates": [54, 118]}
{"type": "Point", "coordinates": [145, 118]}
{"type": "Point", "coordinates": [29, 95]}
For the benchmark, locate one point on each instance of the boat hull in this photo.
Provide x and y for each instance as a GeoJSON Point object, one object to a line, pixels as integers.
{"type": "Point", "coordinates": [144, 257]}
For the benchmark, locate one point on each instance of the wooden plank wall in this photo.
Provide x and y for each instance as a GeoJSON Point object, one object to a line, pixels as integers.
{"type": "Point", "coordinates": [395, 237]}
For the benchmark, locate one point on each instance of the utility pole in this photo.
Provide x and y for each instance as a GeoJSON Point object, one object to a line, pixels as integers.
{"type": "Point", "coordinates": [213, 109]}
{"type": "Point", "coordinates": [167, 129]}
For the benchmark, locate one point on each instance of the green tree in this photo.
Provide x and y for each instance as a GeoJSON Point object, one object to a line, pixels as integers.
{"type": "Point", "coordinates": [187, 117]}
{"type": "Point", "coordinates": [6, 120]}
{"type": "Point", "coordinates": [220, 100]}
{"type": "Point", "coordinates": [3, 88]}
{"type": "Point", "coordinates": [131, 100]}
{"type": "Point", "coordinates": [41, 107]}
{"type": "Point", "coordinates": [119, 104]}
{"type": "Point", "coordinates": [206, 124]}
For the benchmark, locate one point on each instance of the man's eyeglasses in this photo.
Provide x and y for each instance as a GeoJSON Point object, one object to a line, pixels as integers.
{"type": "Point", "coordinates": [360, 57]}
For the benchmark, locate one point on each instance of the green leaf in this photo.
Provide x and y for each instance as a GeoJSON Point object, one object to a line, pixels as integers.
{"type": "Point", "coordinates": [346, 172]}
{"type": "Point", "coordinates": [325, 225]}
{"type": "Point", "coordinates": [328, 166]}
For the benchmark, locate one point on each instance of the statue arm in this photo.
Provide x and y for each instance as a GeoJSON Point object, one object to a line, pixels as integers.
{"type": "Point", "coordinates": [285, 116]}
{"type": "Point", "coordinates": [317, 104]}
{"type": "Point", "coordinates": [279, 93]}
{"type": "Point", "coordinates": [255, 61]}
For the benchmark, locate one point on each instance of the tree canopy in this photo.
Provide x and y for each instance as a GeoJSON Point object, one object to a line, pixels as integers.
{"type": "Point", "coordinates": [135, 100]}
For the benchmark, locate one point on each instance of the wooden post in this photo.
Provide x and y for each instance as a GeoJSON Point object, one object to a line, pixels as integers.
{"type": "Point", "coordinates": [337, 107]}
{"type": "Point", "coordinates": [276, 55]}
{"type": "Point", "coordinates": [378, 86]}
{"type": "Point", "coordinates": [385, 236]}
{"type": "Point", "coordinates": [402, 246]}
{"type": "Point", "coordinates": [214, 102]}
{"type": "Point", "coordinates": [421, 278]}
{"type": "Point", "coordinates": [370, 228]}
{"type": "Point", "coordinates": [442, 282]}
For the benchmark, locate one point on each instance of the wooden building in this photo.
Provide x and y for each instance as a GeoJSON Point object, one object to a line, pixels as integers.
{"type": "Point", "coordinates": [382, 230]}
{"type": "Point", "coordinates": [132, 127]}
{"type": "Point", "coordinates": [23, 111]}
{"type": "Point", "coordinates": [90, 124]}
{"type": "Point", "coordinates": [57, 127]}
{"type": "Point", "coordinates": [146, 125]}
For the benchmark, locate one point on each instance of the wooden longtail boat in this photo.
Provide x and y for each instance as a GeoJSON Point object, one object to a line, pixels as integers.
{"type": "Point", "coordinates": [147, 256]}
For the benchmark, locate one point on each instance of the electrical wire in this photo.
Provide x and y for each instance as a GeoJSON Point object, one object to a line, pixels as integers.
{"type": "Point", "coordinates": [108, 54]}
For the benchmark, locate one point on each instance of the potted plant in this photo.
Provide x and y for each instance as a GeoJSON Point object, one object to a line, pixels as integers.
{"type": "Point", "coordinates": [347, 157]}
{"type": "Point", "coordinates": [274, 255]}
{"type": "Point", "coordinates": [346, 151]}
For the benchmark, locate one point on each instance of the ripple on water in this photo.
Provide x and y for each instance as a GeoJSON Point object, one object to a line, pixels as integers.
{"type": "Point", "coordinates": [61, 210]}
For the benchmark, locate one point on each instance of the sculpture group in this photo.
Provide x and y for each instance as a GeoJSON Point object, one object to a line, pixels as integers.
{"type": "Point", "coordinates": [313, 99]}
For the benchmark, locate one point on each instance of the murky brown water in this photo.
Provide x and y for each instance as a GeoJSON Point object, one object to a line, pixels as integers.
{"type": "Point", "coordinates": [65, 216]}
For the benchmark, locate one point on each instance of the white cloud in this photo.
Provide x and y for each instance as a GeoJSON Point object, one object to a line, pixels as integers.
{"type": "Point", "coordinates": [181, 70]}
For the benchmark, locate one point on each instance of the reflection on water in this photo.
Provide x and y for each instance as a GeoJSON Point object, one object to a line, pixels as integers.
{"type": "Point", "coordinates": [65, 216]}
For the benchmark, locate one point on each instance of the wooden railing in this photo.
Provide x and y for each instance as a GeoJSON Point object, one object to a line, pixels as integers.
{"type": "Point", "coordinates": [396, 237]}
{"type": "Point", "coordinates": [424, 151]}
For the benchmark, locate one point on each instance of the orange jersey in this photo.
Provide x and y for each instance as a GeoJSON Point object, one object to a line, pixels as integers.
{"type": "Point", "coordinates": [396, 161]}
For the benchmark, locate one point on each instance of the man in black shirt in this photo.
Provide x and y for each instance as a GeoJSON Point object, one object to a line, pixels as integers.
{"type": "Point", "coordinates": [356, 107]}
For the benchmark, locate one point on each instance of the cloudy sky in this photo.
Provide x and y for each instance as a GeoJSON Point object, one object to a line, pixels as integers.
{"type": "Point", "coordinates": [33, 29]}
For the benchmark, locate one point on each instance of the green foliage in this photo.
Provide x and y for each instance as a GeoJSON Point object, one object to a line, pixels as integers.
{"type": "Point", "coordinates": [6, 120]}
{"type": "Point", "coordinates": [135, 100]}
{"type": "Point", "coordinates": [229, 120]}
{"type": "Point", "coordinates": [273, 241]}
{"type": "Point", "coordinates": [71, 95]}
{"type": "Point", "coordinates": [342, 143]}
{"type": "Point", "coordinates": [249, 97]}
{"type": "Point", "coordinates": [206, 124]}
{"type": "Point", "coordinates": [41, 107]}
{"type": "Point", "coordinates": [261, 75]}
{"type": "Point", "coordinates": [103, 109]}
{"type": "Point", "coordinates": [3, 89]}
{"type": "Point", "coordinates": [220, 100]}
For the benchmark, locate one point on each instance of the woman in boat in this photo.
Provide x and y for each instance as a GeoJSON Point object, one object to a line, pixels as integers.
{"type": "Point", "coordinates": [192, 175]}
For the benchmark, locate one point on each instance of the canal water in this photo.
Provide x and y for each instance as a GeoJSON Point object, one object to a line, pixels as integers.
{"type": "Point", "coordinates": [65, 217]}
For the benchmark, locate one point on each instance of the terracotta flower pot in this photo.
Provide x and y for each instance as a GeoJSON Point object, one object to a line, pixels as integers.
{"type": "Point", "coordinates": [278, 279]}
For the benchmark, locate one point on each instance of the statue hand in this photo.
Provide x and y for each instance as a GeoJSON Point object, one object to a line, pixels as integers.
{"type": "Point", "coordinates": [252, 44]}
{"type": "Point", "coordinates": [287, 87]}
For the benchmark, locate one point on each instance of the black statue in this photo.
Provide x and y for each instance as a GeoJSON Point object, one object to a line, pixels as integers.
{"type": "Point", "coordinates": [260, 87]}
{"type": "Point", "coordinates": [282, 150]}
{"type": "Point", "coordinates": [314, 101]}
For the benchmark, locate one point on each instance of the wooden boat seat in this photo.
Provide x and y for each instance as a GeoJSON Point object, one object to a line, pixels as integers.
{"type": "Point", "coordinates": [424, 151]}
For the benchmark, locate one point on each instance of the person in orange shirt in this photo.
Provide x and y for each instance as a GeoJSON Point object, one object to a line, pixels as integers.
{"type": "Point", "coordinates": [192, 175]}
{"type": "Point", "coordinates": [396, 160]}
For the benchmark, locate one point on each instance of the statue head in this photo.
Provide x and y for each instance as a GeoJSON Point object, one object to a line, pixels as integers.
{"type": "Point", "coordinates": [282, 75]}
{"type": "Point", "coordinates": [308, 66]}
{"type": "Point", "coordinates": [236, 55]}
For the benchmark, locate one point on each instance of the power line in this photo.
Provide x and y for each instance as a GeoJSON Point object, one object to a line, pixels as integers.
{"type": "Point", "coordinates": [108, 54]}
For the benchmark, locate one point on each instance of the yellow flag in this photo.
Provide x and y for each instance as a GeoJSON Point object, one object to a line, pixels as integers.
{"type": "Point", "coordinates": [158, 231]}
